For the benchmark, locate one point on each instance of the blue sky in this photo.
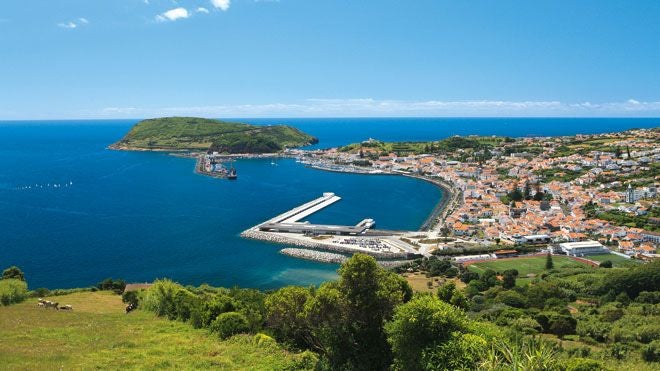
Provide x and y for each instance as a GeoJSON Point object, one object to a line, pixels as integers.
{"type": "Point", "coordinates": [297, 58]}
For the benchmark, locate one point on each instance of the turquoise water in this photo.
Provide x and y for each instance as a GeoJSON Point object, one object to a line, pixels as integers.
{"type": "Point", "coordinates": [141, 216]}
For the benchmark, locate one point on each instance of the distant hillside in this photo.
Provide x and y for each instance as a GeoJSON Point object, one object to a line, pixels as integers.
{"type": "Point", "coordinates": [192, 133]}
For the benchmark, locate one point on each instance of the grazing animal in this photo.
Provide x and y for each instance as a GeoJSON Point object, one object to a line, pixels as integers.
{"type": "Point", "coordinates": [130, 308]}
{"type": "Point", "coordinates": [66, 307]}
{"type": "Point", "coordinates": [50, 304]}
{"type": "Point", "coordinates": [41, 305]}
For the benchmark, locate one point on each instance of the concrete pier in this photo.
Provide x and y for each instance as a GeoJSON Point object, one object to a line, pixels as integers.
{"type": "Point", "coordinates": [290, 221]}
{"type": "Point", "coordinates": [305, 210]}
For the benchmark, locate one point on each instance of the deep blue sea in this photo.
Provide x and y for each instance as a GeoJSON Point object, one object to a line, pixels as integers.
{"type": "Point", "coordinates": [73, 213]}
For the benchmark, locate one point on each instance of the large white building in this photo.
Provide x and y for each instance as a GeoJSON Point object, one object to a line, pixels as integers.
{"type": "Point", "coordinates": [582, 248]}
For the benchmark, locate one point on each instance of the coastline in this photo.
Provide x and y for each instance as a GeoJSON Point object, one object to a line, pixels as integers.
{"type": "Point", "coordinates": [449, 193]}
{"type": "Point", "coordinates": [327, 253]}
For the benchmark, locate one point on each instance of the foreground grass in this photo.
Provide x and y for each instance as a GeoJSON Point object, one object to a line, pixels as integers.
{"type": "Point", "coordinates": [98, 334]}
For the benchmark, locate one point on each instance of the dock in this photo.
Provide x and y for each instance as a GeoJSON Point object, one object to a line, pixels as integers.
{"type": "Point", "coordinates": [289, 221]}
{"type": "Point", "coordinates": [305, 210]}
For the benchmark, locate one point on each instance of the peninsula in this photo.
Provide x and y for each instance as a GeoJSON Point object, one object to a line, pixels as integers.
{"type": "Point", "coordinates": [208, 135]}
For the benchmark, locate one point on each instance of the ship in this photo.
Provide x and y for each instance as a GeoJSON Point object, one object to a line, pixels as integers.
{"type": "Point", "coordinates": [232, 173]}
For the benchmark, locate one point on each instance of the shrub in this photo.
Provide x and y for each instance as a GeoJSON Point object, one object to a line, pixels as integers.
{"type": "Point", "coordinates": [263, 340]}
{"type": "Point", "coordinates": [596, 330]}
{"type": "Point", "coordinates": [606, 264]}
{"type": "Point", "coordinates": [562, 325]}
{"type": "Point", "coordinates": [12, 291]}
{"type": "Point", "coordinates": [526, 325]}
{"type": "Point", "coordinates": [583, 364]}
{"type": "Point", "coordinates": [40, 292]}
{"type": "Point", "coordinates": [651, 352]}
{"type": "Point", "coordinates": [648, 297]}
{"type": "Point", "coordinates": [422, 325]}
{"type": "Point", "coordinates": [230, 323]}
{"type": "Point", "coordinates": [512, 299]}
{"type": "Point", "coordinates": [160, 298]}
{"type": "Point", "coordinates": [648, 333]}
{"type": "Point", "coordinates": [130, 297]}
{"type": "Point", "coordinates": [116, 286]}
{"type": "Point", "coordinates": [611, 312]}
{"type": "Point", "coordinates": [211, 309]}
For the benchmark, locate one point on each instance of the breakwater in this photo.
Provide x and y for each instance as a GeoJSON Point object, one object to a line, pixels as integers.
{"type": "Point", "coordinates": [279, 238]}
{"type": "Point", "coordinates": [320, 256]}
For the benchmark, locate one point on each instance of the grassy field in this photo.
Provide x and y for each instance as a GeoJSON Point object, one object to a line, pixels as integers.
{"type": "Point", "coordinates": [98, 334]}
{"type": "Point", "coordinates": [617, 261]}
{"type": "Point", "coordinates": [525, 266]}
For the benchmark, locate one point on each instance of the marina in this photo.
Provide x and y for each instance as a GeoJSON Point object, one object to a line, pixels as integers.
{"type": "Point", "coordinates": [289, 229]}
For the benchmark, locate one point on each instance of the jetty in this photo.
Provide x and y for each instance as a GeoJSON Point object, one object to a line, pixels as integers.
{"type": "Point", "coordinates": [289, 222]}
{"type": "Point", "coordinates": [327, 242]}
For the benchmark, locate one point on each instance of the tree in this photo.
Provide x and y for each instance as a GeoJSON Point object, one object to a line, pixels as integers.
{"type": "Point", "coordinates": [13, 272]}
{"type": "Point", "coordinates": [628, 152]}
{"type": "Point", "coordinates": [515, 195]}
{"type": "Point", "coordinates": [468, 276]}
{"type": "Point", "coordinates": [562, 326]}
{"type": "Point", "coordinates": [423, 325]}
{"type": "Point", "coordinates": [347, 316]}
{"type": "Point", "coordinates": [285, 313]}
{"type": "Point", "coordinates": [548, 262]}
{"type": "Point", "coordinates": [446, 291]}
{"type": "Point", "coordinates": [527, 191]}
{"type": "Point", "coordinates": [606, 264]}
{"type": "Point", "coordinates": [508, 279]}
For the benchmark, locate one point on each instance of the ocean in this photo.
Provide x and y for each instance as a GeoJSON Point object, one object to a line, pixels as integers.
{"type": "Point", "coordinates": [73, 213]}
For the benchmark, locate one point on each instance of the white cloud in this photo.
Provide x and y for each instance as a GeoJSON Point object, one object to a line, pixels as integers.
{"type": "Point", "coordinates": [202, 10]}
{"type": "Point", "coordinates": [83, 20]}
{"type": "Point", "coordinates": [69, 25]}
{"type": "Point", "coordinates": [368, 107]}
{"type": "Point", "coordinates": [173, 15]}
{"type": "Point", "coordinates": [221, 4]}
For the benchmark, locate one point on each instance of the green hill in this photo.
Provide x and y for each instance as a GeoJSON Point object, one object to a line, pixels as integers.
{"type": "Point", "coordinates": [98, 334]}
{"type": "Point", "coordinates": [199, 134]}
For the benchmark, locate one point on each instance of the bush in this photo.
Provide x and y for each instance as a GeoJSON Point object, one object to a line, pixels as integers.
{"type": "Point", "coordinates": [583, 364]}
{"type": "Point", "coordinates": [561, 325]}
{"type": "Point", "coordinates": [606, 264]}
{"type": "Point", "coordinates": [130, 297]}
{"type": "Point", "coordinates": [648, 297]}
{"type": "Point", "coordinates": [230, 323]}
{"type": "Point", "coordinates": [40, 293]}
{"type": "Point", "coordinates": [651, 352]}
{"type": "Point", "coordinates": [263, 340]}
{"type": "Point", "coordinates": [160, 298]}
{"type": "Point", "coordinates": [512, 299]}
{"type": "Point", "coordinates": [12, 291]}
{"type": "Point", "coordinates": [422, 325]}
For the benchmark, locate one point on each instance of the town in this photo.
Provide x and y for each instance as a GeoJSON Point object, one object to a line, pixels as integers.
{"type": "Point", "coordinates": [600, 189]}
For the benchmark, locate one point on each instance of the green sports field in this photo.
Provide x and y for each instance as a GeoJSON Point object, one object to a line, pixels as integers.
{"type": "Point", "coordinates": [617, 261]}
